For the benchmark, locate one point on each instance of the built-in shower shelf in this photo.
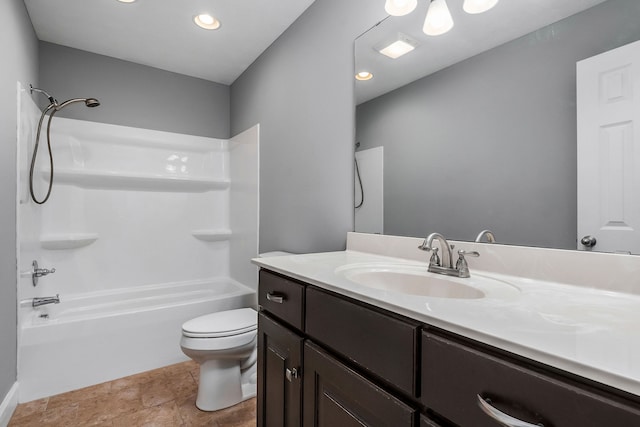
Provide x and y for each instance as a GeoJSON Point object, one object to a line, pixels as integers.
{"type": "Point", "coordinates": [212, 235]}
{"type": "Point", "coordinates": [140, 182]}
{"type": "Point", "coordinates": [67, 241]}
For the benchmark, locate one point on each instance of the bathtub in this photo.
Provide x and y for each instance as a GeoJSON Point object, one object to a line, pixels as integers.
{"type": "Point", "coordinates": [92, 338]}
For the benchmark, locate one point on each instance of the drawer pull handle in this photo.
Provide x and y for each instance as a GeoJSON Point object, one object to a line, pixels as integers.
{"type": "Point", "coordinates": [277, 298]}
{"type": "Point", "coordinates": [501, 417]}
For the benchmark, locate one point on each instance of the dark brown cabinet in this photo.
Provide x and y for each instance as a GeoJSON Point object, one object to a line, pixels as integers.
{"type": "Point", "coordinates": [335, 395]}
{"type": "Point", "coordinates": [457, 381]}
{"type": "Point", "coordinates": [279, 367]}
{"type": "Point", "coordinates": [382, 345]}
{"type": "Point", "coordinates": [282, 297]}
{"type": "Point", "coordinates": [328, 360]}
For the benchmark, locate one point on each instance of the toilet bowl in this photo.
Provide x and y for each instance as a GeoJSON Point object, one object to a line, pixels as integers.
{"type": "Point", "coordinates": [225, 346]}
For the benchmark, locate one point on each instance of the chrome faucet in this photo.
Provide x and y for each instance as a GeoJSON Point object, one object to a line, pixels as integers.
{"type": "Point", "coordinates": [445, 266]}
{"type": "Point", "coordinates": [37, 302]}
{"type": "Point", "coordinates": [488, 234]}
{"type": "Point", "coordinates": [427, 245]}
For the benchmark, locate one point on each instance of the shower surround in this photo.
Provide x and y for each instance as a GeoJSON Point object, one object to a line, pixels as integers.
{"type": "Point", "coordinates": [146, 229]}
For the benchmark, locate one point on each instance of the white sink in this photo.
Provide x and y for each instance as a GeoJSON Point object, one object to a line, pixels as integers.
{"type": "Point", "coordinates": [416, 280]}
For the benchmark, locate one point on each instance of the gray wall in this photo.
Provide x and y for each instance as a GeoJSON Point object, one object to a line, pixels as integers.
{"type": "Point", "coordinates": [133, 94]}
{"type": "Point", "coordinates": [491, 142]}
{"type": "Point", "coordinates": [301, 91]}
{"type": "Point", "coordinates": [19, 63]}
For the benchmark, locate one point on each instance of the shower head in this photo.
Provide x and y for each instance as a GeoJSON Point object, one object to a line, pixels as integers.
{"type": "Point", "coordinates": [89, 102]}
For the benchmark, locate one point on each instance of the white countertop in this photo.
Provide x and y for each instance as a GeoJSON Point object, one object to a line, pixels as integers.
{"type": "Point", "coordinates": [590, 332]}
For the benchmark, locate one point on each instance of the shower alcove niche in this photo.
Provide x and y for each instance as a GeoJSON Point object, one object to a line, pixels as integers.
{"type": "Point", "coordinates": [146, 229]}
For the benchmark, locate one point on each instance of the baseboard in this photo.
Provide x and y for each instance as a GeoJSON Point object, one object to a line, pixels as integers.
{"type": "Point", "coordinates": [8, 405]}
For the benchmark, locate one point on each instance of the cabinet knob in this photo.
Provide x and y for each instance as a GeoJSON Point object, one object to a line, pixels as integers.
{"type": "Point", "coordinates": [275, 297]}
{"type": "Point", "coordinates": [291, 374]}
{"type": "Point", "coordinates": [502, 418]}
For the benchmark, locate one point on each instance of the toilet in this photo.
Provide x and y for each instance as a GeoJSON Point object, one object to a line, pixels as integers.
{"type": "Point", "coordinates": [225, 346]}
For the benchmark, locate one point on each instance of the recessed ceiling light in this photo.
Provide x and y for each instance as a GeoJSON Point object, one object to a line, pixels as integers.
{"type": "Point", "coordinates": [126, 1]}
{"type": "Point", "coordinates": [397, 49]}
{"type": "Point", "coordinates": [364, 76]}
{"type": "Point", "coordinates": [206, 21]}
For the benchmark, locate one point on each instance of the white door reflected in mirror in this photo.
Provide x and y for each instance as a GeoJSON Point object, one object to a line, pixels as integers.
{"type": "Point", "coordinates": [609, 151]}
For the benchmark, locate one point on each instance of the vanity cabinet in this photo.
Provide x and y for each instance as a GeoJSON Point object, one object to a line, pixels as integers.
{"type": "Point", "coordinates": [328, 360]}
{"type": "Point", "coordinates": [352, 363]}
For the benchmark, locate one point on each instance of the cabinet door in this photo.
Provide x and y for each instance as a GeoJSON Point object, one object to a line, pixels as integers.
{"type": "Point", "coordinates": [335, 395]}
{"type": "Point", "coordinates": [279, 381]}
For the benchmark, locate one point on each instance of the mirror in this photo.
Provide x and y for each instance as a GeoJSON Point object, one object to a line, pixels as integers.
{"type": "Point", "coordinates": [479, 139]}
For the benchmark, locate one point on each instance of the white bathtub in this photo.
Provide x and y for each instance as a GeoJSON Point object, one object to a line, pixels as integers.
{"type": "Point", "coordinates": [91, 338]}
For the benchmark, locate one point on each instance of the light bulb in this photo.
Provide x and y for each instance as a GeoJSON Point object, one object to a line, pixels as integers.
{"type": "Point", "coordinates": [438, 20]}
{"type": "Point", "coordinates": [400, 7]}
{"type": "Point", "coordinates": [478, 6]}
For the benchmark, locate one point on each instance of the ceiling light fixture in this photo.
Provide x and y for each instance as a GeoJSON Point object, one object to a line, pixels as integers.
{"type": "Point", "coordinates": [400, 7]}
{"type": "Point", "coordinates": [364, 76]}
{"type": "Point", "coordinates": [438, 20]}
{"type": "Point", "coordinates": [478, 6]}
{"type": "Point", "coordinates": [397, 49]}
{"type": "Point", "coordinates": [206, 21]}
{"type": "Point", "coordinates": [126, 1]}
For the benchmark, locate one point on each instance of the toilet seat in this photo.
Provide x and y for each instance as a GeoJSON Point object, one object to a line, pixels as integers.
{"type": "Point", "coordinates": [222, 324]}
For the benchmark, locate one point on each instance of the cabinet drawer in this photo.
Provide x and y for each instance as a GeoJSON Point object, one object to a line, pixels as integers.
{"type": "Point", "coordinates": [383, 345]}
{"type": "Point", "coordinates": [455, 377]}
{"type": "Point", "coordinates": [335, 395]}
{"type": "Point", "coordinates": [281, 297]}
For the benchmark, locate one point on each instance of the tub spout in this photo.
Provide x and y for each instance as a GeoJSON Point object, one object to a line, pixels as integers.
{"type": "Point", "coordinates": [37, 302]}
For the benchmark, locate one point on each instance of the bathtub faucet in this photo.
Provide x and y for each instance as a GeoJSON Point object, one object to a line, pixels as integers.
{"type": "Point", "coordinates": [37, 302]}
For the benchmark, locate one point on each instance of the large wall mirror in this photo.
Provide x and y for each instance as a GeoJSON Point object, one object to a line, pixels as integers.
{"type": "Point", "coordinates": [477, 128]}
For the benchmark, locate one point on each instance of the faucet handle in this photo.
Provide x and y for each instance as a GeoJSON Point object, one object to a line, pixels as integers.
{"type": "Point", "coordinates": [461, 265]}
{"type": "Point", "coordinates": [463, 253]}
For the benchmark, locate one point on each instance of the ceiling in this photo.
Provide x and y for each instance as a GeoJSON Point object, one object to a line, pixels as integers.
{"type": "Point", "coordinates": [162, 34]}
{"type": "Point", "coordinates": [471, 35]}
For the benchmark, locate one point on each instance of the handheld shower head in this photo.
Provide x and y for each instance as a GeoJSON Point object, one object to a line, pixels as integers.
{"type": "Point", "coordinates": [52, 109]}
{"type": "Point", "coordinates": [91, 102]}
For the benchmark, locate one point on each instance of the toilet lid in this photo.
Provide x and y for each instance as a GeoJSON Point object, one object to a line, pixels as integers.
{"type": "Point", "coordinates": [222, 324]}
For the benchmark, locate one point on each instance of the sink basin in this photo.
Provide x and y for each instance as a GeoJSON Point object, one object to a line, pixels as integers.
{"type": "Point", "coordinates": [416, 280]}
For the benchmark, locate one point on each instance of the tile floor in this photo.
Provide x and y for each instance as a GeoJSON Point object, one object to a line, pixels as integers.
{"type": "Point", "coordinates": [160, 398]}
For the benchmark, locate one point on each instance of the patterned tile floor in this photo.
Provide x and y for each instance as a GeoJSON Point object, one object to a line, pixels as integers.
{"type": "Point", "coordinates": [163, 397]}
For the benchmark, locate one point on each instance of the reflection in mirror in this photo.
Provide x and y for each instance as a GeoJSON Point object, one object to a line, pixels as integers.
{"type": "Point", "coordinates": [488, 139]}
